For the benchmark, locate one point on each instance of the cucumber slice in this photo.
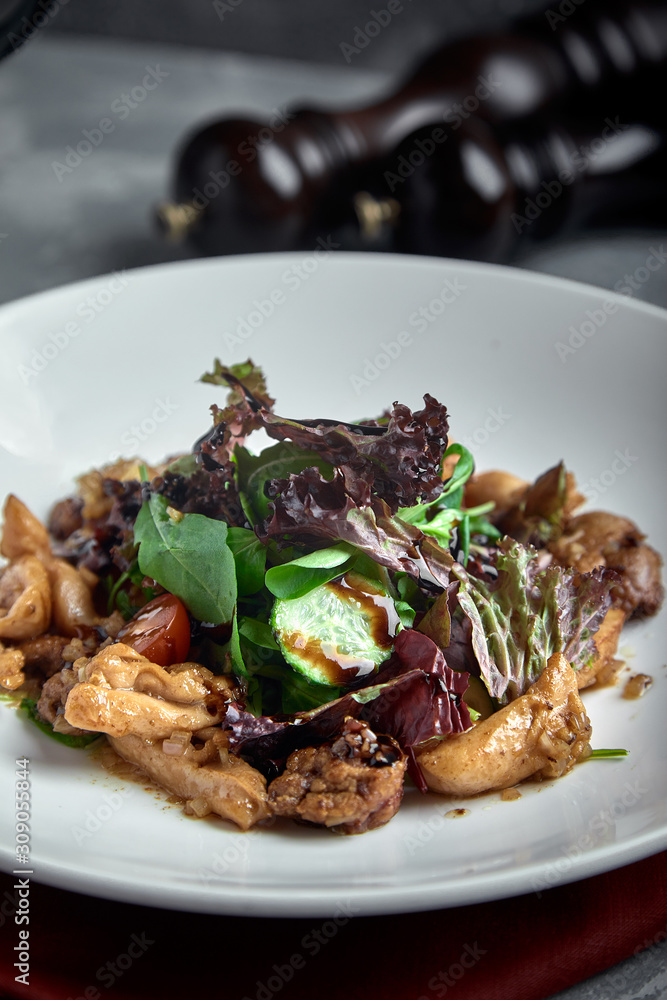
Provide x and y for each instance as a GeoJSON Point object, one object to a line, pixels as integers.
{"type": "Point", "coordinates": [338, 632]}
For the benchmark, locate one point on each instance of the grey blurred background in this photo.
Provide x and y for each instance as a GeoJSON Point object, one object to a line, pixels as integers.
{"type": "Point", "coordinates": [293, 29]}
{"type": "Point", "coordinates": [222, 57]}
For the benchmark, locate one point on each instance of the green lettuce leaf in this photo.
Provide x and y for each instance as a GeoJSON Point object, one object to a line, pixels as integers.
{"type": "Point", "coordinates": [527, 614]}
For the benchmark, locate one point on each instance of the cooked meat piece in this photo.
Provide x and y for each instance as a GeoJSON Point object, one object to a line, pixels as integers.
{"type": "Point", "coordinates": [25, 599]}
{"type": "Point", "coordinates": [542, 509]}
{"type": "Point", "coordinates": [121, 693]}
{"type": "Point", "coordinates": [229, 787]}
{"type": "Point", "coordinates": [12, 662]}
{"type": "Point", "coordinates": [66, 518]}
{"type": "Point", "coordinates": [502, 488]}
{"type": "Point", "coordinates": [54, 694]}
{"type": "Point", "coordinates": [601, 539]}
{"type": "Point", "coordinates": [22, 534]}
{"type": "Point", "coordinates": [44, 654]}
{"type": "Point", "coordinates": [542, 734]}
{"type": "Point", "coordinates": [353, 785]}
{"type": "Point", "coordinates": [96, 501]}
{"type": "Point", "coordinates": [72, 598]}
{"type": "Point", "coordinates": [120, 666]}
{"type": "Point", "coordinates": [606, 642]}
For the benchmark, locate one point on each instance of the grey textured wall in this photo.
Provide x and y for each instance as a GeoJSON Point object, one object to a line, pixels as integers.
{"type": "Point", "coordinates": [299, 29]}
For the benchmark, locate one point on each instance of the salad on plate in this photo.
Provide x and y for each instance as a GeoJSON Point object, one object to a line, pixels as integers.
{"type": "Point", "coordinates": [297, 632]}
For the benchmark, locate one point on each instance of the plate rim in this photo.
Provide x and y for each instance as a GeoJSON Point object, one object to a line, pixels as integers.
{"type": "Point", "coordinates": [267, 900]}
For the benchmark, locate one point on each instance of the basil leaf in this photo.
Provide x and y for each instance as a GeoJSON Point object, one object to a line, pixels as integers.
{"type": "Point", "coordinates": [299, 577]}
{"type": "Point", "coordinates": [190, 558]}
{"type": "Point", "coordinates": [250, 559]}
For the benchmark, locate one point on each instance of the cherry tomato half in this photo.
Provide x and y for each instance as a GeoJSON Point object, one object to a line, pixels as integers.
{"type": "Point", "coordinates": [160, 631]}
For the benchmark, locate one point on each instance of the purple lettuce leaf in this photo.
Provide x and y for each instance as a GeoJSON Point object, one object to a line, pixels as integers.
{"type": "Point", "coordinates": [308, 507]}
{"type": "Point", "coordinates": [399, 462]}
{"type": "Point", "coordinates": [414, 697]}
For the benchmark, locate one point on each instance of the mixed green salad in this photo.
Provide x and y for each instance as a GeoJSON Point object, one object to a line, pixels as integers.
{"type": "Point", "coordinates": [337, 573]}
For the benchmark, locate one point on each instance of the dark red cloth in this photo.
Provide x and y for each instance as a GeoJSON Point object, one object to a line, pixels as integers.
{"type": "Point", "coordinates": [525, 948]}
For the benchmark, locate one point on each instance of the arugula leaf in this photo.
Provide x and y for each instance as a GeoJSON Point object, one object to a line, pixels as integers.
{"type": "Point", "coordinates": [250, 559]}
{"type": "Point", "coordinates": [439, 517]}
{"type": "Point", "coordinates": [298, 577]}
{"type": "Point", "coordinates": [463, 469]}
{"type": "Point", "coordinates": [189, 556]}
{"type": "Point", "coordinates": [29, 707]}
{"type": "Point", "coordinates": [258, 632]}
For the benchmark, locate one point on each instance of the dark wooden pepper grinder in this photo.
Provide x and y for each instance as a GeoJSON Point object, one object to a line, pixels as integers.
{"type": "Point", "coordinates": [244, 186]}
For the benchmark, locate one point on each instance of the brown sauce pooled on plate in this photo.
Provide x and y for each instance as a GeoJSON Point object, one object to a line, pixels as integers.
{"type": "Point", "coordinates": [637, 685]}
{"type": "Point", "coordinates": [510, 795]}
{"type": "Point", "coordinates": [456, 813]}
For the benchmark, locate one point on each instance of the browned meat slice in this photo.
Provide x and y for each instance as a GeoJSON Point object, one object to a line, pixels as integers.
{"type": "Point", "coordinates": [601, 539]}
{"type": "Point", "coordinates": [44, 655]}
{"type": "Point", "coordinates": [123, 693]}
{"type": "Point", "coordinates": [543, 733]}
{"type": "Point", "coordinates": [25, 599]}
{"type": "Point", "coordinates": [227, 785]}
{"type": "Point", "coordinates": [530, 512]}
{"type": "Point", "coordinates": [66, 518]}
{"type": "Point", "coordinates": [352, 785]}
{"type": "Point", "coordinates": [52, 700]}
{"type": "Point", "coordinates": [604, 666]}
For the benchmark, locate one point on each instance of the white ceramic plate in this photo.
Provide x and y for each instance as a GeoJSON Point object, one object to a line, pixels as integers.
{"type": "Point", "coordinates": [110, 366]}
